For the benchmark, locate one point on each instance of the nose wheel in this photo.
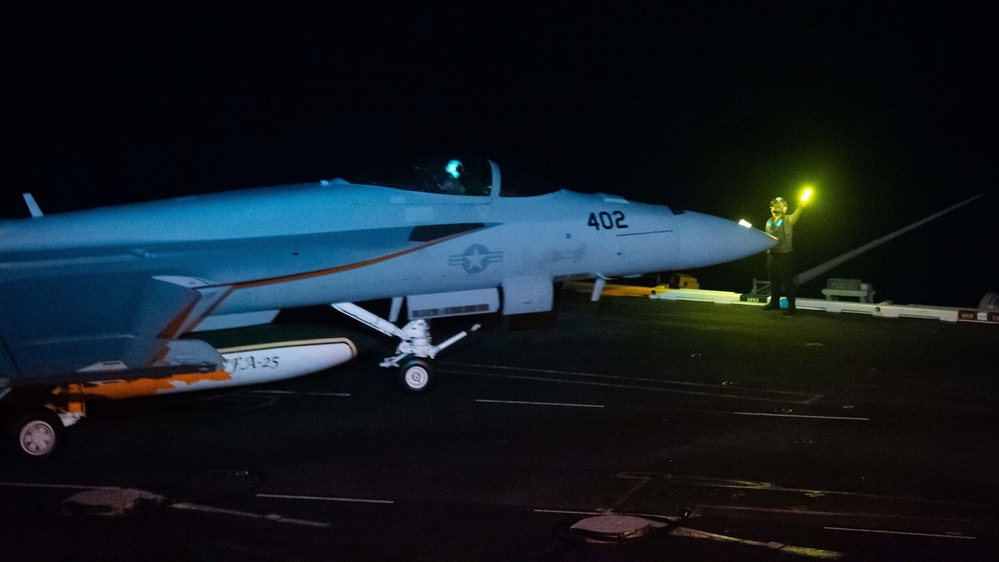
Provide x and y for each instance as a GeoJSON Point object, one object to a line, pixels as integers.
{"type": "Point", "coordinates": [415, 353]}
{"type": "Point", "coordinates": [416, 375]}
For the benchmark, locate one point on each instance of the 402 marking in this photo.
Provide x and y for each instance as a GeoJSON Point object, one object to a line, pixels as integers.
{"type": "Point", "coordinates": [607, 221]}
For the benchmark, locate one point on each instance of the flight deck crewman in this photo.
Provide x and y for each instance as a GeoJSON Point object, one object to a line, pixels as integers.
{"type": "Point", "coordinates": [780, 259]}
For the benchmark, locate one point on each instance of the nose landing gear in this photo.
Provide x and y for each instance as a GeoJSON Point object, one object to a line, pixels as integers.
{"type": "Point", "coordinates": [413, 357]}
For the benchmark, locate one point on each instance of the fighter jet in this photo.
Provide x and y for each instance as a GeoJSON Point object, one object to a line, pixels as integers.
{"type": "Point", "coordinates": [95, 302]}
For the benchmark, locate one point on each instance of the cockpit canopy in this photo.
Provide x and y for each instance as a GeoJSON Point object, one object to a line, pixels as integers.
{"type": "Point", "coordinates": [452, 176]}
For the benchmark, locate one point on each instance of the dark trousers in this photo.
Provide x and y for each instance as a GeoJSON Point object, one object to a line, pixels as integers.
{"type": "Point", "coordinates": [780, 270]}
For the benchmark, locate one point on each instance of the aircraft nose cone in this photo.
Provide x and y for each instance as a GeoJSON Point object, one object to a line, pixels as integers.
{"type": "Point", "coordinates": [708, 240]}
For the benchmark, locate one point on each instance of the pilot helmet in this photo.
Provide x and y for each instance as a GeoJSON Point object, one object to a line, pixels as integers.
{"type": "Point", "coordinates": [455, 168]}
{"type": "Point", "coordinates": [779, 204]}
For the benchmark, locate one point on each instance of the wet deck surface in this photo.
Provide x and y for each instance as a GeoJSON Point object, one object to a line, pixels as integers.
{"type": "Point", "coordinates": [869, 437]}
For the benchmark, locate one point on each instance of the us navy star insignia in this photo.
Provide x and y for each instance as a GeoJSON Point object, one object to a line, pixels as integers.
{"type": "Point", "coordinates": [475, 258]}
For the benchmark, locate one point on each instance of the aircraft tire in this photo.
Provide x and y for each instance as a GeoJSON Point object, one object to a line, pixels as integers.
{"type": "Point", "coordinates": [416, 375]}
{"type": "Point", "coordinates": [34, 435]}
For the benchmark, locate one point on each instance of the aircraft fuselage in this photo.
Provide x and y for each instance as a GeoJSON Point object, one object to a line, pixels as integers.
{"type": "Point", "coordinates": [118, 282]}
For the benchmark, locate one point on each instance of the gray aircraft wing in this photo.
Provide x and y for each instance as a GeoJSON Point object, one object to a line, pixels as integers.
{"type": "Point", "coordinates": [86, 326]}
{"type": "Point", "coordinates": [78, 315]}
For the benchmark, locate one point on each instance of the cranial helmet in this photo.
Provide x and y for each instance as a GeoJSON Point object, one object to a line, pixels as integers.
{"type": "Point", "coordinates": [779, 204]}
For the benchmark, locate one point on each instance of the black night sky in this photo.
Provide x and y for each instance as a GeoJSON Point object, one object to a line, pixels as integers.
{"type": "Point", "coordinates": [888, 110]}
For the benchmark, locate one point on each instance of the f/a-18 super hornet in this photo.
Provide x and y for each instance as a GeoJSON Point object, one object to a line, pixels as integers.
{"type": "Point", "coordinates": [95, 302]}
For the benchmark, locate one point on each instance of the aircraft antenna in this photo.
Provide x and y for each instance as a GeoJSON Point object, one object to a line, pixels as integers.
{"type": "Point", "coordinates": [814, 272]}
{"type": "Point", "coordinates": [33, 207]}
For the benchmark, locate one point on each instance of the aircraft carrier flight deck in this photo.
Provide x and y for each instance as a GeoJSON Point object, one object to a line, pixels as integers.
{"type": "Point", "coordinates": [702, 431]}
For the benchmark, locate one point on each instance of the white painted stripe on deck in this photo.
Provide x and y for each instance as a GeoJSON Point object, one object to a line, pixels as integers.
{"type": "Point", "coordinates": [801, 416]}
{"type": "Point", "coordinates": [520, 402]}
{"type": "Point", "coordinates": [568, 512]}
{"type": "Point", "coordinates": [807, 398]}
{"type": "Point", "coordinates": [269, 517]}
{"type": "Point", "coordinates": [323, 498]}
{"type": "Point", "coordinates": [884, 532]}
{"type": "Point", "coordinates": [180, 505]}
{"type": "Point", "coordinates": [446, 364]}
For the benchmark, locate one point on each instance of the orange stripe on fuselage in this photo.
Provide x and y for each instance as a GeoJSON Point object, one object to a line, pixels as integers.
{"type": "Point", "coordinates": [169, 331]}
{"type": "Point", "coordinates": [147, 387]}
{"type": "Point", "coordinates": [342, 268]}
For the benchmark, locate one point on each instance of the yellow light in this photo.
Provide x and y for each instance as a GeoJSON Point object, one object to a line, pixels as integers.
{"type": "Point", "coordinates": [743, 222]}
{"type": "Point", "coordinates": [806, 194]}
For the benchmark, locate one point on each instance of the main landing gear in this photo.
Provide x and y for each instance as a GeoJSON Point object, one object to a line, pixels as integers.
{"type": "Point", "coordinates": [413, 357]}
{"type": "Point", "coordinates": [33, 432]}
{"type": "Point", "coordinates": [35, 435]}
